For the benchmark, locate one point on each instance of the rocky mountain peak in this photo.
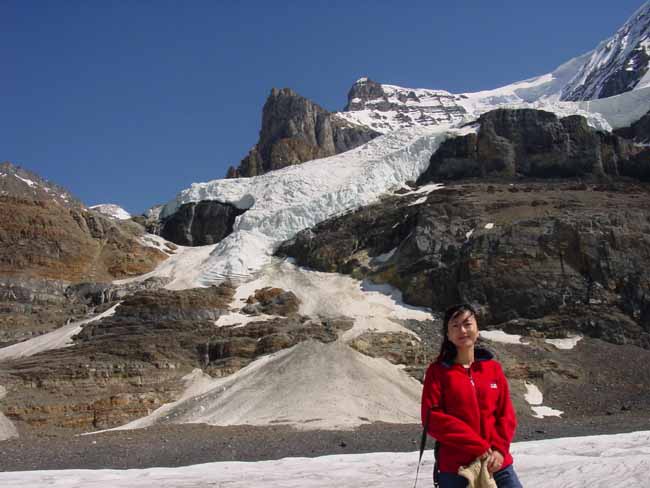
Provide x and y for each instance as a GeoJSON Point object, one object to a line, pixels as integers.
{"type": "Point", "coordinates": [20, 183]}
{"type": "Point", "coordinates": [363, 91]}
{"type": "Point", "coordinates": [295, 130]}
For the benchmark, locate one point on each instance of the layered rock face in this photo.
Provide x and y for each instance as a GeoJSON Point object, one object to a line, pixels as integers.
{"type": "Point", "coordinates": [295, 130]}
{"type": "Point", "coordinates": [43, 239]}
{"type": "Point", "coordinates": [199, 224]}
{"type": "Point", "coordinates": [123, 367]}
{"type": "Point", "coordinates": [535, 143]}
{"type": "Point", "coordinates": [545, 259]}
{"type": "Point", "coordinates": [566, 257]}
{"type": "Point", "coordinates": [49, 241]}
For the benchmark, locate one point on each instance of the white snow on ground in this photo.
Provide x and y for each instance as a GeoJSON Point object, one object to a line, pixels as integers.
{"type": "Point", "coordinates": [183, 268]}
{"type": "Point", "coordinates": [29, 182]}
{"type": "Point", "coordinates": [604, 461]}
{"type": "Point", "coordinates": [568, 343]}
{"type": "Point", "coordinates": [112, 210]}
{"type": "Point", "coordinates": [535, 398]}
{"type": "Point", "coordinates": [489, 226]}
{"type": "Point", "coordinates": [419, 201]}
{"type": "Point", "coordinates": [240, 319]}
{"type": "Point", "coordinates": [56, 339]}
{"type": "Point", "coordinates": [423, 189]}
{"type": "Point", "coordinates": [501, 336]}
{"type": "Point", "coordinates": [371, 306]}
{"type": "Point", "coordinates": [309, 386]}
{"type": "Point", "coordinates": [7, 429]}
{"type": "Point", "coordinates": [283, 202]}
{"type": "Point", "coordinates": [157, 242]}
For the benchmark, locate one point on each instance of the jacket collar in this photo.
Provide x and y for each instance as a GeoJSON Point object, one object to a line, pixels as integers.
{"type": "Point", "coordinates": [480, 354]}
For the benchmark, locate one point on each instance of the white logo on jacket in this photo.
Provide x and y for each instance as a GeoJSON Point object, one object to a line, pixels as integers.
{"type": "Point", "coordinates": [493, 386]}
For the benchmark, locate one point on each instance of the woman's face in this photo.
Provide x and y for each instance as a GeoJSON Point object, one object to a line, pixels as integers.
{"type": "Point", "coordinates": [462, 330]}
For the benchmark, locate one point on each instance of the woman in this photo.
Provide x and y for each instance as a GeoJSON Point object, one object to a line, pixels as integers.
{"type": "Point", "coordinates": [466, 405]}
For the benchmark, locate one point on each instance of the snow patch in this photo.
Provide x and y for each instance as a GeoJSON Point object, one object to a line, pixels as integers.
{"type": "Point", "coordinates": [112, 210]}
{"type": "Point", "coordinates": [535, 398]}
{"type": "Point", "coordinates": [240, 319]}
{"type": "Point", "coordinates": [568, 343]}
{"type": "Point", "coordinates": [501, 336]}
{"type": "Point", "coordinates": [157, 242]}
{"type": "Point", "coordinates": [29, 182]}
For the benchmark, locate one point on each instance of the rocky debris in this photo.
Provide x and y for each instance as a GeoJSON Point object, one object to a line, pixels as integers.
{"type": "Point", "coordinates": [21, 183]}
{"type": "Point", "coordinates": [272, 301]}
{"type": "Point", "coordinates": [199, 223]}
{"type": "Point", "coordinates": [295, 130]}
{"type": "Point", "coordinates": [524, 251]}
{"type": "Point", "coordinates": [534, 143]}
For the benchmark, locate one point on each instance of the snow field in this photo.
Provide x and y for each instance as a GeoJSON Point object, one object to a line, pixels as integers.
{"type": "Point", "coordinates": [605, 461]}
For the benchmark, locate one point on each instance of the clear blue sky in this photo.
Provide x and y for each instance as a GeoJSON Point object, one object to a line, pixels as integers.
{"type": "Point", "coordinates": [130, 101]}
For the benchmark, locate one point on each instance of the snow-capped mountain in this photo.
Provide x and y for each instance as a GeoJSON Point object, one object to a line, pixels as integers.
{"type": "Point", "coordinates": [617, 65]}
{"type": "Point", "coordinates": [385, 108]}
{"type": "Point", "coordinates": [112, 210]}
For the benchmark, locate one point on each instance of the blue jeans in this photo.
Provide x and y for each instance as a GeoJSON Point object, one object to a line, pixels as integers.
{"type": "Point", "coordinates": [505, 478]}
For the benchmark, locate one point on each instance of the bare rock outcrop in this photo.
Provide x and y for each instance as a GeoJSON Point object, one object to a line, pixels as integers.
{"type": "Point", "coordinates": [535, 143]}
{"type": "Point", "coordinates": [295, 130]}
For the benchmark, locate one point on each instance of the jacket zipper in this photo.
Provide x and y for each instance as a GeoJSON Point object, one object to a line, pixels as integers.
{"type": "Point", "coordinates": [478, 408]}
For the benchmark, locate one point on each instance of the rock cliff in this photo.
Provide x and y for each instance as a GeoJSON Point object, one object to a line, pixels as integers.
{"type": "Point", "coordinates": [534, 143]}
{"type": "Point", "coordinates": [295, 130]}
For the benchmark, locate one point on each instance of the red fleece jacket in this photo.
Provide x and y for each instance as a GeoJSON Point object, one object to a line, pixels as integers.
{"type": "Point", "coordinates": [470, 411]}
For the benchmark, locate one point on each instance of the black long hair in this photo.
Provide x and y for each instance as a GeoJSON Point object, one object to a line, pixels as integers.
{"type": "Point", "coordinates": [447, 349]}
